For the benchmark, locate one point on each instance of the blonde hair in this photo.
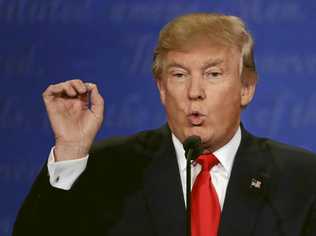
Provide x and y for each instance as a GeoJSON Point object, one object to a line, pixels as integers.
{"type": "Point", "coordinates": [225, 30]}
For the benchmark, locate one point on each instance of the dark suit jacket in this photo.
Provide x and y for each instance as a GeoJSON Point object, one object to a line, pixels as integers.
{"type": "Point", "coordinates": [132, 187]}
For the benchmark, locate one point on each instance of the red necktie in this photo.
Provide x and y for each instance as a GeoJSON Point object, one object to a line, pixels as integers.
{"type": "Point", "coordinates": [205, 208]}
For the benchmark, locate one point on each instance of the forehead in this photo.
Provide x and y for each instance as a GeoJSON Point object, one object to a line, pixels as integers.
{"type": "Point", "coordinates": [203, 54]}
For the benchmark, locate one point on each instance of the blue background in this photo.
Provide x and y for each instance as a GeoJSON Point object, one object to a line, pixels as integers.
{"type": "Point", "coordinates": [111, 43]}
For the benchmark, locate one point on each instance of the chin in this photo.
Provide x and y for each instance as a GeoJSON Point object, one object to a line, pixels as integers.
{"type": "Point", "coordinates": [198, 131]}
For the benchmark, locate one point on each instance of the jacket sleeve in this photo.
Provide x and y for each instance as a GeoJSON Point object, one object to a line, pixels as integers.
{"type": "Point", "coordinates": [310, 226]}
{"type": "Point", "coordinates": [52, 211]}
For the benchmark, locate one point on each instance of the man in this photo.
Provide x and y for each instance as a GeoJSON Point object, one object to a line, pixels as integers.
{"type": "Point", "coordinates": [205, 72]}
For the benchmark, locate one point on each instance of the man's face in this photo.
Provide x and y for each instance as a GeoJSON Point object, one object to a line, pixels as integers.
{"type": "Point", "coordinates": [202, 93]}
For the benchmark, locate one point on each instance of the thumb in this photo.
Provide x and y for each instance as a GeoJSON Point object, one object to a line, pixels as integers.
{"type": "Point", "coordinates": [97, 101]}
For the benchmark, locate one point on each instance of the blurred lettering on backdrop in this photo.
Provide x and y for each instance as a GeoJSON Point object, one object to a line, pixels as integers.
{"type": "Point", "coordinates": [111, 43]}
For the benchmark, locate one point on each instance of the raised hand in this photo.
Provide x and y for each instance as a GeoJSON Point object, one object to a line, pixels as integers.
{"type": "Point", "coordinates": [75, 111]}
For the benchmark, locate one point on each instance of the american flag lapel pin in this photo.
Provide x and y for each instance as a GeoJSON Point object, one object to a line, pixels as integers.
{"type": "Point", "coordinates": [255, 183]}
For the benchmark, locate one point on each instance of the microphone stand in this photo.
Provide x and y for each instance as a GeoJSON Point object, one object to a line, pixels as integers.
{"type": "Point", "coordinates": [188, 191]}
{"type": "Point", "coordinates": [192, 150]}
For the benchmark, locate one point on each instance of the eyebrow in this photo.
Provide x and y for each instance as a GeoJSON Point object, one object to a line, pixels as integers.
{"type": "Point", "coordinates": [175, 64]}
{"type": "Point", "coordinates": [212, 62]}
{"type": "Point", "coordinates": [207, 64]}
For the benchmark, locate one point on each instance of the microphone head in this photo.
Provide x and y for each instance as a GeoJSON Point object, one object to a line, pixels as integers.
{"type": "Point", "coordinates": [192, 142]}
{"type": "Point", "coordinates": [193, 146]}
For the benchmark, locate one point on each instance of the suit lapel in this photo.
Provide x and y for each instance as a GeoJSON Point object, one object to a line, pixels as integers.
{"type": "Point", "coordinates": [252, 179]}
{"type": "Point", "coordinates": [163, 190]}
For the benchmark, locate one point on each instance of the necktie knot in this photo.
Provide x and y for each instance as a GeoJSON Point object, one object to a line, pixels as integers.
{"type": "Point", "coordinates": [207, 161]}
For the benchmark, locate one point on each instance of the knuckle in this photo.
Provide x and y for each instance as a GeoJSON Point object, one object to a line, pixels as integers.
{"type": "Point", "coordinates": [66, 85]}
{"type": "Point", "coordinates": [75, 81]}
{"type": "Point", "coordinates": [47, 90]}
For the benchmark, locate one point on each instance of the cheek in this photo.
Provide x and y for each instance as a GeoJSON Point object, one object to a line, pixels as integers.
{"type": "Point", "coordinates": [175, 96]}
{"type": "Point", "coordinates": [232, 104]}
{"type": "Point", "coordinates": [225, 99]}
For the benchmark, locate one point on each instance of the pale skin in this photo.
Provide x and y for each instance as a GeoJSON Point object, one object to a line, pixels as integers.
{"type": "Point", "coordinates": [203, 94]}
{"type": "Point", "coordinates": [74, 124]}
{"type": "Point", "coordinates": [200, 88]}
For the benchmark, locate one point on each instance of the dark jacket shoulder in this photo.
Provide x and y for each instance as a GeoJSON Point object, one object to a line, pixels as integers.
{"type": "Point", "coordinates": [291, 157]}
{"type": "Point", "coordinates": [149, 140]}
{"type": "Point", "coordinates": [294, 166]}
{"type": "Point", "coordinates": [129, 155]}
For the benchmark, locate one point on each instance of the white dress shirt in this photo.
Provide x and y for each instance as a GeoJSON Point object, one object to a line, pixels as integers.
{"type": "Point", "coordinates": [63, 174]}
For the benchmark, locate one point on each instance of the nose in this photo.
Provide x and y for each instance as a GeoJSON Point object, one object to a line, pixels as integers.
{"type": "Point", "coordinates": [196, 90]}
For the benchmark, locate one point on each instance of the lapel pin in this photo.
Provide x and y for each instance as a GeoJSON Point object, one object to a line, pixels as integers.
{"type": "Point", "coordinates": [255, 183]}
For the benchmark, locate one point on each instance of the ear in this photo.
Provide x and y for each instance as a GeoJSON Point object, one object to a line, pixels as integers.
{"type": "Point", "coordinates": [162, 90]}
{"type": "Point", "coordinates": [248, 88]}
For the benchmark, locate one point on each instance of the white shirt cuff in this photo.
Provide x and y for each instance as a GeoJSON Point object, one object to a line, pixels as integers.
{"type": "Point", "coordinates": [63, 174]}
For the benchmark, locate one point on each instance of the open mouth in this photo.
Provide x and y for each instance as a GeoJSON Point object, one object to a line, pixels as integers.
{"type": "Point", "coordinates": [196, 118]}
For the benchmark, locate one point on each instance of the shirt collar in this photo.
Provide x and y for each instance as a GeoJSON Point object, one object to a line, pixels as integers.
{"type": "Point", "coordinates": [225, 154]}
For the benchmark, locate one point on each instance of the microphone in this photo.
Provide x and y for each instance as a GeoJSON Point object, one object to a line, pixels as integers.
{"type": "Point", "coordinates": [191, 141]}
{"type": "Point", "coordinates": [192, 147]}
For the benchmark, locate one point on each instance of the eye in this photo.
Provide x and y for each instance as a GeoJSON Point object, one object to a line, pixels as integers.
{"type": "Point", "coordinates": [179, 75]}
{"type": "Point", "coordinates": [213, 75]}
